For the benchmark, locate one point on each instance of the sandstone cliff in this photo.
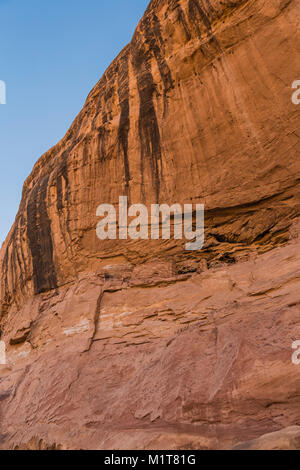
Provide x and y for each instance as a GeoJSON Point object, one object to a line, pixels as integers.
{"type": "Point", "coordinates": [126, 344]}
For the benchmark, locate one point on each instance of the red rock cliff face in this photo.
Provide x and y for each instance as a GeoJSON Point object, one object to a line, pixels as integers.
{"type": "Point", "coordinates": [135, 344]}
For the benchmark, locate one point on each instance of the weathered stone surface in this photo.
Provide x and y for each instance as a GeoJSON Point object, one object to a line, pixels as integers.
{"type": "Point", "coordinates": [196, 109]}
{"type": "Point", "coordinates": [287, 439]}
{"type": "Point", "coordinates": [197, 362]}
{"type": "Point", "coordinates": [125, 344]}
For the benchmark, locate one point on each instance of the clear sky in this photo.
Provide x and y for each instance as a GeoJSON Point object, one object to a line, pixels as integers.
{"type": "Point", "coordinates": [52, 53]}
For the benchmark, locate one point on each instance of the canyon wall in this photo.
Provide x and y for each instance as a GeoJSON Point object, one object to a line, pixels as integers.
{"type": "Point", "coordinates": [142, 344]}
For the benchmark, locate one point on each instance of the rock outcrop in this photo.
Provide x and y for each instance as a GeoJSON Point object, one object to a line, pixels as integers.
{"type": "Point", "coordinates": [142, 344]}
{"type": "Point", "coordinates": [287, 439]}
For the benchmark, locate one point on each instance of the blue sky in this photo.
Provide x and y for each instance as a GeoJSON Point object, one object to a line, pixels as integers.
{"type": "Point", "coordinates": [52, 53]}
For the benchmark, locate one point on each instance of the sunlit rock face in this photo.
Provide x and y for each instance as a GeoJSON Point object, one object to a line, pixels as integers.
{"type": "Point", "coordinates": [143, 344]}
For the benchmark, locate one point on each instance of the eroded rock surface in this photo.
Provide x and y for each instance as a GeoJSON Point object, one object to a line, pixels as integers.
{"type": "Point", "coordinates": [286, 439]}
{"type": "Point", "coordinates": [126, 344]}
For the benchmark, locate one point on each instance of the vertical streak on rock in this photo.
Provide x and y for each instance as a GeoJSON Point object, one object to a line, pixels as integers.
{"type": "Point", "coordinates": [98, 104]}
{"type": "Point", "coordinates": [101, 143]}
{"type": "Point", "coordinates": [153, 38]}
{"type": "Point", "coordinates": [124, 125]}
{"type": "Point", "coordinates": [22, 231]}
{"type": "Point", "coordinates": [199, 17]}
{"type": "Point", "coordinates": [108, 96]}
{"type": "Point", "coordinates": [4, 283]}
{"type": "Point", "coordinates": [196, 13]}
{"type": "Point", "coordinates": [14, 260]}
{"type": "Point", "coordinates": [183, 22]}
{"type": "Point", "coordinates": [62, 174]}
{"type": "Point", "coordinates": [174, 5]}
{"type": "Point", "coordinates": [62, 199]}
{"type": "Point", "coordinates": [147, 123]}
{"type": "Point", "coordinates": [210, 9]}
{"type": "Point", "coordinates": [4, 271]}
{"type": "Point", "coordinates": [39, 238]}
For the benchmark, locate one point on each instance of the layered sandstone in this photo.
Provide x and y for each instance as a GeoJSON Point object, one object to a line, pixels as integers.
{"type": "Point", "coordinates": [126, 344]}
